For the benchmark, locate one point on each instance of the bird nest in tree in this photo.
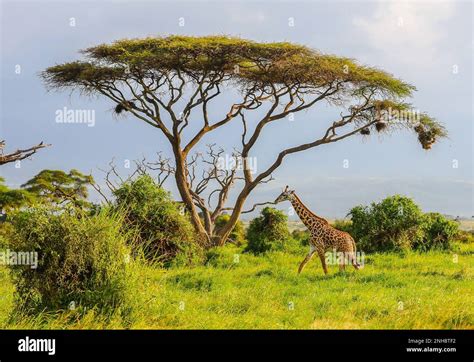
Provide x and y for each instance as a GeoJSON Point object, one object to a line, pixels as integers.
{"type": "Point", "coordinates": [426, 137]}
{"type": "Point", "coordinates": [124, 106]}
{"type": "Point", "coordinates": [380, 126]}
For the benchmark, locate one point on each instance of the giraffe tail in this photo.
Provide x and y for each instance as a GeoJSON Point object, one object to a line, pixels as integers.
{"type": "Point", "coordinates": [354, 256]}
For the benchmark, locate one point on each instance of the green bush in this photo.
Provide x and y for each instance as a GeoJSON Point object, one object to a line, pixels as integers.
{"type": "Point", "coordinates": [3, 240]}
{"type": "Point", "coordinates": [394, 224]}
{"type": "Point", "coordinates": [397, 223]}
{"type": "Point", "coordinates": [465, 236]}
{"type": "Point", "coordinates": [81, 261]}
{"type": "Point", "coordinates": [343, 225]}
{"type": "Point", "coordinates": [237, 235]}
{"type": "Point", "coordinates": [14, 198]}
{"type": "Point", "coordinates": [438, 232]}
{"type": "Point", "coordinates": [302, 236]}
{"type": "Point", "coordinates": [269, 232]}
{"type": "Point", "coordinates": [164, 233]}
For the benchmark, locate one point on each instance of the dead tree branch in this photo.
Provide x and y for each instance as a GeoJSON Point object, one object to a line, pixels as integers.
{"type": "Point", "coordinates": [19, 154]}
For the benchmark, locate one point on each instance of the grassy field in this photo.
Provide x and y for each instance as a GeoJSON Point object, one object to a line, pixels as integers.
{"type": "Point", "coordinates": [238, 290]}
{"type": "Point", "coordinates": [466, 225]}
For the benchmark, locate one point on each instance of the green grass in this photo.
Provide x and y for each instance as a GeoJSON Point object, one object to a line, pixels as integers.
{"type": "Point", "coordinates": [392, 291]}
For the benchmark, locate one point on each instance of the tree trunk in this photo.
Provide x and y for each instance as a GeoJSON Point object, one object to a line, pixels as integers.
{"type": "Point", "coordinates": [183, 188]}
{"type": "Point", "coordinates": [208, 223]}
{"type": "Point", "coordinates": [234, 217]}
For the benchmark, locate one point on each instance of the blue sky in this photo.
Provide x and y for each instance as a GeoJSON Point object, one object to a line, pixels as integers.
{"type": "Point", "coordinates": [428, 44]}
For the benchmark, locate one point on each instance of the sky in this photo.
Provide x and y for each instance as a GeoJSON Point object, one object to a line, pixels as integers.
{"type": "Point", "coordinates": [426, 43]}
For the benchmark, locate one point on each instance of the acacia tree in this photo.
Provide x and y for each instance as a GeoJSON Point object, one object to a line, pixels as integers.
{"type": "Point", "coordinates": [59, 187]}
{"type": "Point", "coordinates": [50, 187]}
{"type": "Point", "coordinates": [173, 81]}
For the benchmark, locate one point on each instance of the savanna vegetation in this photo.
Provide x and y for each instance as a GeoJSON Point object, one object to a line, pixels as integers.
{"type": "Point", "coordinates": [142, 259]}
{"type": "Point", "coordinates": [236, 289]}
{"type": "Point", "coordinates": [106, 268]}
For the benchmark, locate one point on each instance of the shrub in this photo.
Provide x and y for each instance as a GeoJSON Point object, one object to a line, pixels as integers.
{"type": "Point", "coordinates": [268, 232]}
{"type": "Point", "coordinates": [397, 223]}
{"type": "Point", "coordinates": [237, 235]}
{"type": "Point", "coordinates": [393, 224]}
{"type": "Point", "coordinates": [80, 260]}
{"type": "Point", "coordinates": [164, 232]}
{"type": "Point", "coordinates": [302, 236]}
{"type": "Point", "coordinates": [3, 241]}
{"type": "Point", "coordinates": [343, 225]}
{"type": "Point", "coordinates": [465, 236]}
{"type": "Point", "coordinates": [438, 231]}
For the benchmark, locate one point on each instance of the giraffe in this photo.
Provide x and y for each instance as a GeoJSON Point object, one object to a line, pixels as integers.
{"type": "Point", "coordinates": [323, 237]}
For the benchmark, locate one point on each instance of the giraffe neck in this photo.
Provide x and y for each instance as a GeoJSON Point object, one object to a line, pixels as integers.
{"type": "Point", "coordinates": [308, 218]}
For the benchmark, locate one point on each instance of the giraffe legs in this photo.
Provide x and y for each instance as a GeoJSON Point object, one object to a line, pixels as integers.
{"type": "Point", "coordinates": [343, 257]}
{"type": "Point", "coordinates": [349, 258]}
{"type": "Point", "coordinates": [323, 260]}
{"type": "Point", "coordinates": [354, 262]}
{"type": "Point", "coordinates": [307, 259]}
{"type": "Point", "coordinates": [342, 266]}
{"type": "Point", "coordinates": [312, 250]}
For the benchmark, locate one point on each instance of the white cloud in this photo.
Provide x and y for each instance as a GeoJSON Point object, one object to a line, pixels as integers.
{"type": "Point", "coordinates": [409, 30]}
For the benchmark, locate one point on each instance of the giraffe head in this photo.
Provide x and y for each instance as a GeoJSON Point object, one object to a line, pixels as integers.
{"type": "Point", "coordinates": [286, 195]}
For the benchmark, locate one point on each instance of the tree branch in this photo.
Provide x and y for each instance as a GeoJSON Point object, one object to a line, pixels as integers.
{"type": "Point", "coordinates": [19, 154]}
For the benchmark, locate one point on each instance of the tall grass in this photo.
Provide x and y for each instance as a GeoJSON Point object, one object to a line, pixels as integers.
{"type": "Point", "coordinates": [240, 290]}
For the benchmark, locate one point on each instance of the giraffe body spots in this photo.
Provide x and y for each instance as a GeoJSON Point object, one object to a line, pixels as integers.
{"type": "Point", "coordinates": [323, 236]}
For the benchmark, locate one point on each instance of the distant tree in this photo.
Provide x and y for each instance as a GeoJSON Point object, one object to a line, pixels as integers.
{"type": "Point", "coordinates": [13, 198]}
{"type": "Point", "coordinates": [172, 82]}
{"type": "Point", "coordinates": [19, 154]}
{"type": "Point", "coordinates": [58, 187]}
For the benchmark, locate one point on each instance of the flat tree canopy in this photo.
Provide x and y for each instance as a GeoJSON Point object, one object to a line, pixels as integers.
{"type": "Point", "coordinates": [151, 78]}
